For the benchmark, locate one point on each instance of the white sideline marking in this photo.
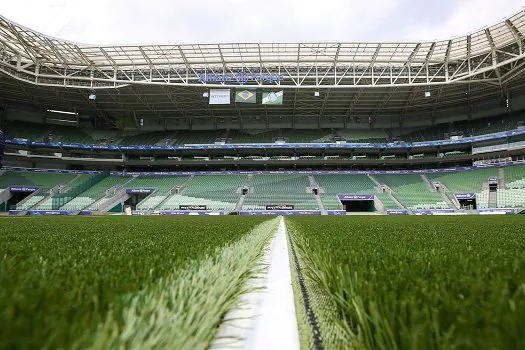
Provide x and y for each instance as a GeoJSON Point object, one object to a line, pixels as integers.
{"type": "Point", "coordinates": [265, 319]}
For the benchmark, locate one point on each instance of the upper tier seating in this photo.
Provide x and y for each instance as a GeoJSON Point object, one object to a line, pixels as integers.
{"type": "Point", "coordinates": [151, 138]}
{"type": "Point", "coordinates": [29, 131]}
{"type": "Point", "coordinates": [217, 192]}
{"type": "Point", "coordinates": [467, 127]}
{"type": "Point", "coordinates": [68, 134]}
{"type": "Point", "coordinates": [412, 191]}
{"type": "Point", "coordinates": [363, 135]}
{"type": "Point", "coordinates": [307, 136]}
{"type": "Point", "coordinates": [253, 136]}
{"type": "Point", "coordinates": [280, 190]}
{"type": "Point", "coordinates": [332, 185]}
{"type": "Point", "coordinates": [185, 137]}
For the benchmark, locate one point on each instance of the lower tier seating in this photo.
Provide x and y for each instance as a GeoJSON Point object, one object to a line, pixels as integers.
{"type": "Point", "coordinates": [280, 190]}
{"type": "Point", "coordinates": [413, 192]}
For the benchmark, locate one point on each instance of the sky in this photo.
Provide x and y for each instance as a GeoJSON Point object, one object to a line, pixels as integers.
{"type": "Point", "coordinates": [220, 21]}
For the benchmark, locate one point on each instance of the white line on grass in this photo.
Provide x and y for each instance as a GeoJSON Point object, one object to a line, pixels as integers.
{"type": "Point", "coordinates": [265, 318]}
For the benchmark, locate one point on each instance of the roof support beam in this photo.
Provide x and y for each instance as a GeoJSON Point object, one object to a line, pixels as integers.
{"type": "Point", "coordinates": [447, 57]}
{"type": "Point", "coordinates": [516, 33]}
{"type": "Point", "coordinates": [469, 49]}
{"type": "Point", "coordinates": [493, 52]}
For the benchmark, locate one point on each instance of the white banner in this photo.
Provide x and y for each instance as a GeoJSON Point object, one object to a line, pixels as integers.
{"type": "Point", "coordinates": [220, 96]}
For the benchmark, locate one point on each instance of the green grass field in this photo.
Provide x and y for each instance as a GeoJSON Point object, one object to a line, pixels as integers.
{"type": "Point", "coordinates": [166, 282]}
{"type": "Point", "coordinates": [415, 282]}
{"type": "Point", "coordinates": [74, 282]}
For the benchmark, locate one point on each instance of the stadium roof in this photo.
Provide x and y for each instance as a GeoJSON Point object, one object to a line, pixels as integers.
{"type": "Point", "coordinates": [158, 79]}
{"type": "Point", "coordinates": [36, 57]}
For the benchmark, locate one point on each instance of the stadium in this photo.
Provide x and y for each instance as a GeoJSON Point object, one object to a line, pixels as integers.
{"type": "Point", "coordinates": [249, 136]}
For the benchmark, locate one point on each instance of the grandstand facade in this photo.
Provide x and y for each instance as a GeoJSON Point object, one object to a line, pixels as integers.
{"type": "Point", "coordinates": [237, 128]}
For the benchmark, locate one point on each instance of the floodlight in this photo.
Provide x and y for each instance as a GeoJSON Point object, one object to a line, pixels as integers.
{"type": "Point", "coordinates": [316, 93]}
{"type": "Point", "coordinates": [427, 93]}
{"type": "Point", "coordinates": [205, 94]}
{"type": "Point", "coordinates": [92, 97]}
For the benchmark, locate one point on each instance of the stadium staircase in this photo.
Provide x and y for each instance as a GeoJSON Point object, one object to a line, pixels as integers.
{"type": "Point", "coordinates": [441, 191]}
{"type": "Point", "coordinates": [174, 191]}
{"type": "Point", "coordinates": [216, 192]}
{"type": "Point", "coordinates": [280, 190]}
{"type": "Point", "coordinates": [247, 184]}
{"type": "Point", "coordinates": [164, 186]}
{"type": "Point", "coordinates": [386, 195]}
{"type": "Point", "coordinates": [430, 187]}
{"type": "Point", "coordinates": [113, 196]}
{"type": "Point", "coordinates": [493, 199]}
{"type": "Point", "coordinates": [314, 184]}
{"type": "Point", "coordinates": [411, 191]}
{"type": "Point", "coordinates": [44, 202]}
{"type": "Point", "coordinates": [472, 181]}
{"type": "Point", "coordinates": [501, 178]}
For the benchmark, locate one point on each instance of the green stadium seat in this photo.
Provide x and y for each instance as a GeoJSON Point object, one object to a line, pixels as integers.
{"type": "Point", "coordinates": [217, 192]}
{"type": "Point", "coordinates": [412, 191]}
{"type": "Point", "coordinates": [280, 190]}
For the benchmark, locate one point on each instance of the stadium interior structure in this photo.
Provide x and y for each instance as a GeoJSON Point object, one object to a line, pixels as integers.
{"type": "Point", "coordinates": [422, 127]}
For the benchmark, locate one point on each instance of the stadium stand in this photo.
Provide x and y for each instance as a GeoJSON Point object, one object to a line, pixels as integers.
{"type": "Point", "coordinates": [513, 195]}
{"type": "Point", "coordinates": [331, 185]}
{"type": "Point", "coordinates": [29, 131]}
{"type": "Point", "coordinates": [511, 198]}
{"type": "Point", "coordinates": [151, 138]}
{"type": "Point", "coordinates": [467, 182]}
{"type": "Point", "coordinates": [162, 186]}
{"type": "Point", "coordinates": [48, 203]}
{"type": "Point", "coordinates": [362, 135]}
{"type": "Point", "coordinates": [412, 191]}
{"type": "Point", "coordinates": [224, 192]}
{"type": "Point", "coordinates": [185, 137]}
{"type": "Point", "coordinates": [68, 134]}
{"type": "Point", "coordinates": [216, 192]}
{"type": "Point", "coordinates": [388, 202]}
{"type": "Point", "coordinates": [515, 177]}
{"type": "Point", "coordinates": [42, 180]}
{"type": "Point", "coordinates": [280, 190]}
{"type": "Point", "coordinates": [307, 136]}
{"type": "Point", "coordinates": [466, 128]}
{"type": "Point", "coordinates": [253, 136]}
{"type": "Point", "coordinates": [464, 181]}
{"type": "Point", "coordinates": [90, 198]}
